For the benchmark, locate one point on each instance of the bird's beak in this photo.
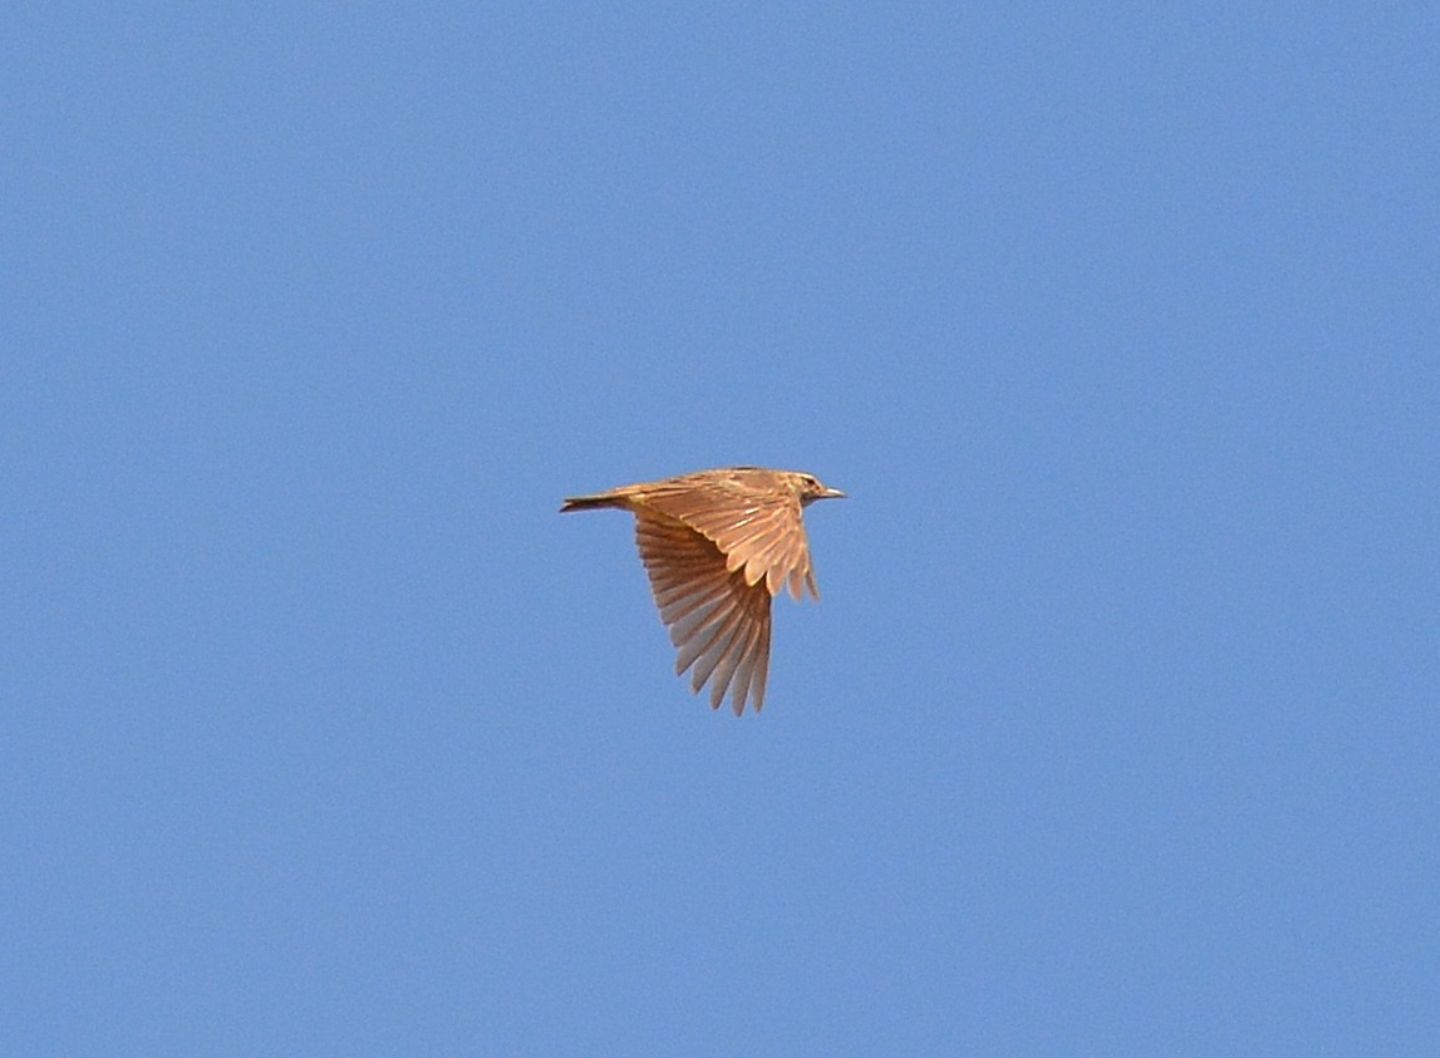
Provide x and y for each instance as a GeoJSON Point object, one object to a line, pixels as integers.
{"type": "Point", "coordinates": [832, 494]}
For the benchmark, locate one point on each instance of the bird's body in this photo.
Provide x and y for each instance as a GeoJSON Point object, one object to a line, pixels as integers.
{"type": "Point", "coordinates": [718, 545]}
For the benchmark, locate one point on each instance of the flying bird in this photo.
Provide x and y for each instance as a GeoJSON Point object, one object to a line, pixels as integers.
{"type": "Point", "coordinates": [718, 545]}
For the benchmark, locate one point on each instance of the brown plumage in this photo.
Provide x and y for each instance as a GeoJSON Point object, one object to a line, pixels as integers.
{"type": "Point", "coordinates": [717, 546]}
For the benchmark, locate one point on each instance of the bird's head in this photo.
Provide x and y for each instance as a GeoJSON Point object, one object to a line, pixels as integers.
{"type": "Point", "coordinates": [809, 489]}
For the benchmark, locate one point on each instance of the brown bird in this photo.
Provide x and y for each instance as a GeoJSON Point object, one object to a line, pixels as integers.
{"type": "Point", "coordinates": [718, 545]}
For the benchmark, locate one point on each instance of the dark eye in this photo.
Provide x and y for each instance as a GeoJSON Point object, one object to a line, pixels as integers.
{"type": "Point", "coordinates": [812, 483]}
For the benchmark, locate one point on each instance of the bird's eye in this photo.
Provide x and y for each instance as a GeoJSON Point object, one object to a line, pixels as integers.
{"type": "Point", "coordinates": [812, 483]}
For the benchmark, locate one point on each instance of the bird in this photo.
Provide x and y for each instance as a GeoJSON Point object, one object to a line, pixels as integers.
{"type": "Point", "coordinates": [718, 545]}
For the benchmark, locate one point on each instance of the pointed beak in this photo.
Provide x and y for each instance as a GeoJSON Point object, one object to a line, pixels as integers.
{"type": "Point", "coordinates": [833, 494]}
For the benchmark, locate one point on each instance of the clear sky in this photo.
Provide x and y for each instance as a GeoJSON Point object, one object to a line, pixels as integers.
{"type": "Point", "coordinates": [1117, 731]}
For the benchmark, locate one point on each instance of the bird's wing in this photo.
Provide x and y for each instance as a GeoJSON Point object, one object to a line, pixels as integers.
{"type": "Point", "coordinates": [763, 534]}
{"type": "Point", "coordinates": [718, 622]}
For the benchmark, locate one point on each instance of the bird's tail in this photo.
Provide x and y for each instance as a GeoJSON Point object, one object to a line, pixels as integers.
{"type": "Point", "coordinates": [590, 503]}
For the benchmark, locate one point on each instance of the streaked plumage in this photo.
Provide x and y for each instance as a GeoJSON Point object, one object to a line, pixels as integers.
{"type": "Point", "coordinates": [718, 545]}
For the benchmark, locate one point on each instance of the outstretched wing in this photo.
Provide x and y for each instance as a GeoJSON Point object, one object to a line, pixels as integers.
{"type": "Point", "coordinates": [718, 621]}
{"type": "Point", "coordinates": [759, 531]}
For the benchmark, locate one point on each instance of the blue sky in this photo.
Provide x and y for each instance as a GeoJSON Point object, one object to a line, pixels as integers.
{"type": "Point", "coordinates": [1117, 729]}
